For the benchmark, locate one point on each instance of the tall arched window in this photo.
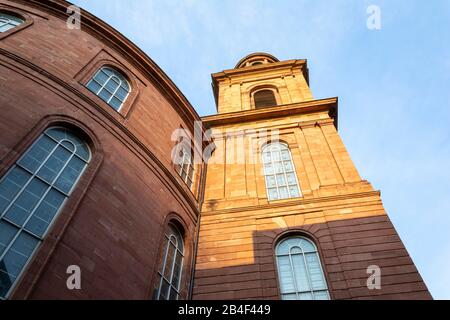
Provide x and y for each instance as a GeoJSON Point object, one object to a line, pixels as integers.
{"type": "Point", "coordinates": [8, 21]}
{"type": "Point", "coordinates": [300, 271]}
{"type": "Point", "coordinates": [184, 163]}
{"type": "Point", "coordinates": [264, 99]}
{"type": "Point", "coordinates": [281, 179]}
{"type": "Point", "coordinates": [32, 193]}
{"type": "Point", "coordinates": [111, 86]}
{"type": "Point", "coordinates": [186, 168]}
{"type": "Point", "coordinates": [169, 273]}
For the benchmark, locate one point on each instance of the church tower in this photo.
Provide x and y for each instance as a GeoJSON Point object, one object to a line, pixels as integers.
{"type": "Point", "coordinates": [286, 214]}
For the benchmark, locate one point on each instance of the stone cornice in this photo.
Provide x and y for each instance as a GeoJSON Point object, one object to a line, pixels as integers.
{"type": "Point", "coordinates": [295, 202]}
{"type": "Point", "coordinates": [228, 74]}
{"type": "Point", "coordinates": [114, 39]}
{"type": "Point", "coordinates": [330, 105]}
{"type": "Point", "coordinates": [288, 64]}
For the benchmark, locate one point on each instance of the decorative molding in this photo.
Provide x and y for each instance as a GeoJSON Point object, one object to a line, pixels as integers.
{"type": "Point", "coordinates": [330, 105]}
{"type": "Point", "coordinates": [274, 66]}
{"type": "Point", "coordinates": [105, 59]}
{"type": "Point", "coordinates": [294, 202]}
{"type": "Point", "coordinates": [28, 20]}
{"type": "Point", "coordinates": [229, 74]}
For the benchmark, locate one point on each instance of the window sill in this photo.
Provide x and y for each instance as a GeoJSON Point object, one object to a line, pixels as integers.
{"type": "Point", "coordinates": [285, 200]}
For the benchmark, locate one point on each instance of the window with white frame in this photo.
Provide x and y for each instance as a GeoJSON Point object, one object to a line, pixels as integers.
{"type": "Point", "coordinates": [32, 194]}
{"type": "Point", "coordinates": [169, 273]}
{"type": "Point", "coordinates": [185, 164]}
{"type": "Point", "coordinates": [8, 22]}
{"type": "Point", "coordinates": [279, 171]}
{"type": "Point", "coordinates": [111, 86]}
{"type": "Point", "coordinates": [300, 271]}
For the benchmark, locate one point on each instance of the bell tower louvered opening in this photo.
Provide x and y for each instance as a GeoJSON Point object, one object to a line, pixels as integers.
{"type": "Point", "coordinates": [265, 99]}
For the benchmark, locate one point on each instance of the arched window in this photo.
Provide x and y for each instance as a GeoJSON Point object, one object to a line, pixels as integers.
{"type": "Point", "coordinates": [169, 273]}
{"type": "Point", "coordinates": [281, 179]}
{"type": "Point", "coordinates": [184, 163]}
{"type": "Point", "coordinates": [264, 99]}
{"type": "Point", "coordinates": [8, 21]}
{"type": "Point", "coordinates": [300, 271]}
{"type": "Point", "coordinates": [111, 86]}
{"type": "Point", "coordinates": [32, 193]}
{"type": "Point", "coordinates": [187, 168]}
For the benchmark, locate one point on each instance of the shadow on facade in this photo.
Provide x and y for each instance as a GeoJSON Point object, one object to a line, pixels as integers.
{"type": "Point", "coordinates": [346, 248]}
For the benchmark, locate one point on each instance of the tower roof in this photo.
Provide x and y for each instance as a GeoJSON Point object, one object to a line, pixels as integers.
{"type": "Point", "coordinates": [257, 57]}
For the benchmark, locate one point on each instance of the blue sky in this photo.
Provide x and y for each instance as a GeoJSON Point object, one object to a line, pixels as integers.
{"type": "Point", "coordinates": [393, 86]}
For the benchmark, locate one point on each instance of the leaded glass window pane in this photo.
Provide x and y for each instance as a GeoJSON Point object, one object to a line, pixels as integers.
{"type": "Point", "coordinates": [169, 274]}
{"type": "Point", "coordinates": [31, 195]}
{"type": "Point", "coordinates": [300, 271]}
{"type": "Point", "coordinates": [8, 22]}
{"type": "Point", "coordinates": [279, 171]}
{"type": "Point", "coordinates": [185, 164]}
{"type": "Point", "coordinates": [111, 86]}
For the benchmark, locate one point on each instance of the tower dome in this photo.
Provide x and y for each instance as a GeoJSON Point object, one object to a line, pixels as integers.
{"type": "Point", "coordinates": [256, 58]}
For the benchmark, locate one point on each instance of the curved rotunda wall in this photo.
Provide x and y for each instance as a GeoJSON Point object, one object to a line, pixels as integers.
{"type": "Point", "coordinates": [113, 223]}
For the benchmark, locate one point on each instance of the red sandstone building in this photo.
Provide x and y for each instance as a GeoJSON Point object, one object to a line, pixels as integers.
{"type": "Point", "coordinates": [88, 178]}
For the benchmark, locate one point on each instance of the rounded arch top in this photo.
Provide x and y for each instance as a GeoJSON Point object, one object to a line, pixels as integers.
{"type": "Point", "coordinates": [118, 73]}
{"type": "Point", "coordinates": [81, 130]}
{"type": "Point", "coordinates": [292, 242]}
{"type": "Point", "coordinates": [275, 144]}
{"type": "Point", "coordinates": [71, 140]}
{"type": "Point", "coordinates": [256, 58]}
{"type": "Point", "coordinates": [6, 13]}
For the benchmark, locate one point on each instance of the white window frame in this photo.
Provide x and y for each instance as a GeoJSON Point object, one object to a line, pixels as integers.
{"type": "Point", "coordinates": [297, 292]}
{"type": "Point", "coordinates": [171, 239]}
{"type": "Point", "coordinates": [50, 186]}
{"type": "Point", "coordinates": [186, 163]}
{"type": "Point", "coordinates": [266, 175]}
{"type": "Point", "coordinates": [10, 21]}
{"type": "Point", "coordinates": [116, 77]}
